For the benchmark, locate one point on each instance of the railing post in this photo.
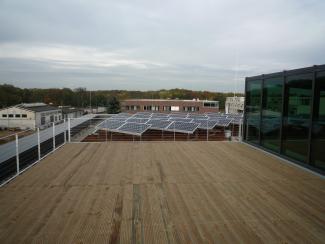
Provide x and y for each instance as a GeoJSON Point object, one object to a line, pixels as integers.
{"type": "Point", "coordinates": [240, 130]}
{"type": "Point", "coordinates": [53, 126]}
{"type": "Point", "coordinates": [106, 129]}
{"type": "Point", "coordinates": [65, 132]}
{"type": "Point", "coordinates": [174, 131]}
{"type": "Point", "coordinates": [69, 130]}
{"type": "Point", "coordinates": [17, 155]}
{"type": "Point", "coordinates": [38, 144]}
{"type": "Point", "coordinates": [207, 132]}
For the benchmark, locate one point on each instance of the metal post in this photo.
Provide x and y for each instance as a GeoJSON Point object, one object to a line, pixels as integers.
{"type": "Point", "coordinates": [17, 155]}
{"type": "Point", "coordinates": [53, 136]}
{"type": "Point", "coordinates": [38, 144]}
{"type": "Point", "coordinates": [174, 131]}
{"type": "Point", "coordinates": [69, 130]}
{"type": "Point", "coordinates": [65, 132]}
{"type": "Point", "coordinates": [240, 130]}
{"type": "Point", "coordinates": [207, 132]}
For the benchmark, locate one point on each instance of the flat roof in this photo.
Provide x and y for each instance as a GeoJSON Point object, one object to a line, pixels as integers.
{"type": "Point", "coordinates": [169, 100]}
{"type": "Point", "coordinates": [199, 192]}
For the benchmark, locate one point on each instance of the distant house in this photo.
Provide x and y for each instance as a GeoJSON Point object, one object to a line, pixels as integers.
{"type": "Point", "coordinates": [234, 105]}
{"type": "Point", "coordinates": [70, 112]}
{"type": "Point", "coordinates": [29, 116]}
{"type": "Point", "coordinates": [169, 105]}
{"type": "Point", "coordinates": [95, 110]}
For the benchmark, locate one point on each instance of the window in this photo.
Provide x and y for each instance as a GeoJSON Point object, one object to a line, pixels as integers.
{"type": "Point", "coordinates": [272, 113]}
{"type": "Point", "coordinates": [253, 105]}
{"type": "Point", "coordinates": [42, 120]}
{"type": "Point", "coordinates": [24, 115]}
{"type": "Point", "coordinates": [190, 109]}
{"type": "Point", "coordinates": [210, 104]}
{"type": "Point", "coordinates": [4, 116]}
{"type": "Point", "coordinates": [318, 129]}
{"type": "Point", "coordinates": [155, 108]}
{"type": "Point", "coordinates": [11, 115]}
{"type": "Point", "coordinates": [51, 118]}
{"type": "Point", "coordinates": [17, 115]}
{"type": "Point", "coordinates": [127, 107]}
{"type": "Point", "coordinates": [167, 108]}
{"type": "Point", "coordinates": [174, 108]}
{"type": "Point", "coordinates": [297, 116]}
{"type": "Point", "coordinates": [147, 108]}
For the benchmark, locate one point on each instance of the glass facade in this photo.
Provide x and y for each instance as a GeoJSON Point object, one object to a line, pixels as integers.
{"type": "Point", "coordinates": [253, 95]}
{"type": "Point", "coordinates": [296, 116]}
{"type": "Point", "coordinates": [272, 113]}
{"type": "Point", "coordinates": [318, 129]}
{"type": "Point", "coordinates": [285, 113]}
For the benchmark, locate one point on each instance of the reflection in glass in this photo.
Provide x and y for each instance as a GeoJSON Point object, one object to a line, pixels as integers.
{"type": "Point", "coordinates": [297, 116]}
{"type": "Point", "coordinates": [253, 103]}
{"type": "Point", "coordinates": [318, 132]}
{"type": "Point", "coordinates": [271, 113]}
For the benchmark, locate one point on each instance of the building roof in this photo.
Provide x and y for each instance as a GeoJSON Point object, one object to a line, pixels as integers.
{"type": "Point", "coordinates": [67, 110]}
{"type": "Point", "coordinates": [37, 107]}
{"type": "Point", "coordinates": [169, 100]}
{"type": "Point", "coordinates": [218, 192]}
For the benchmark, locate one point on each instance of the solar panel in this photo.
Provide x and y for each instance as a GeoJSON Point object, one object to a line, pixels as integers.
{"type": "Point", "coordinates": [112, 124]}
{"type": "Point", "coordinates": [236, 120]}
{"type": "Point", "coordinates": [178, 115]}
{"type": "Point", "coordinates": [159, 115]}
{"type": "Point", "coordinates": [118, 118]}
{"type": "Point", "coordinates": [123, 114]}
{"type": "Point", "coordinates": [234, 116]}
{"type": "Point", "coordinates": [223, 122]}
{"type": "Point", "coordinates": [206, 124]}
{"type": "Point", "coordinates": [133, 128]}
{"type": "Point", "coordinates": [142, 116]}
{"type": "Point", "coordinates": [181, 119]}
{"type": "Point", "coordinates": [183, 127]}
{"type": "Point", "coordinates": [159, 124]}
{"type": "Point", "coordinates": [197, 116]}
{"type": "Point", "coordinates": [137, 120]}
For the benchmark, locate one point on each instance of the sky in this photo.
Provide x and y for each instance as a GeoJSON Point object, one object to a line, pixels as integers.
{"type": "Point", "coordinates": [153, 44]}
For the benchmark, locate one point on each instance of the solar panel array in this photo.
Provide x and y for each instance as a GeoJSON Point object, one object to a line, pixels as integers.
{"type": "Point", "coordinates": [184, 127]}
{"type": "Point", "coordinates": [159, 124]}
{"type": "Point", "coordinates": [133, 128]}
{"type": "Point", "coordinates": [139, 122]}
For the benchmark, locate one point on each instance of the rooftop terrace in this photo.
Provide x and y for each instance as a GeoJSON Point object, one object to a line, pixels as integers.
{"type": "Point", "coordinates": [162, 192]}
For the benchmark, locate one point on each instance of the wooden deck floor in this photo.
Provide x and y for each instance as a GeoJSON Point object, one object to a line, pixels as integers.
{"type": "Point", "coordinates": [183, 192]}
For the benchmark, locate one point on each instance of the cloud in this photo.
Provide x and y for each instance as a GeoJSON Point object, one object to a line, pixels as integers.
{"type": "Point", "coordinates": [144, 44]}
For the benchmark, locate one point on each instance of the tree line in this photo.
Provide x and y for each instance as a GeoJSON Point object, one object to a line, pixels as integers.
{"type": "Point", "coordinates": [81, 97]}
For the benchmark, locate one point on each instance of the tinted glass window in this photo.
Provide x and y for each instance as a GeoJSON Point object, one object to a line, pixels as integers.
{"type": "Point", "coordinates": [253, 104]}
{"type": "Point", "coordinates": [318, 132]}
{"type": "Point", "coordinates": [297, 116]}
{"type": "Point", "coordinates": [271, 113]}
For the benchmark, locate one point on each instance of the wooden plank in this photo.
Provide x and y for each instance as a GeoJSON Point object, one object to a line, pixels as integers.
{"type": "Point", "coordinates": [163, 192]}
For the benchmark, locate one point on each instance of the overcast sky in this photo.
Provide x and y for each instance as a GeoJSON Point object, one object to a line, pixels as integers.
{"type": "Point", "coordinates": [154, 44]}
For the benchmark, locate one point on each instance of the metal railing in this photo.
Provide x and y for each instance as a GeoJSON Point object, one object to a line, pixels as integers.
{"type": "Point", "coordinates": [95, 130]}
{"type": "Point", "coordinates": [22, 150]}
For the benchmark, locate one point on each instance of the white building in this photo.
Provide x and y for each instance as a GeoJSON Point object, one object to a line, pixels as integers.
{"type": "Point", "coordinates": [29, 116]}
{"type": "Point", "coordinates": [95, 110]}
{"type": "Point", "coordinates": [234, 105]}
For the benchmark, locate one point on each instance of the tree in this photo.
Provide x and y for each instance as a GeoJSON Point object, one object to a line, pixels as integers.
{"type": "Point", "coordinates": [113, 106]}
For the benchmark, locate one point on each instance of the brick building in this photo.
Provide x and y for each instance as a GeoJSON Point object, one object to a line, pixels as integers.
{"type": "Point", "coordinates": [169, 105]}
